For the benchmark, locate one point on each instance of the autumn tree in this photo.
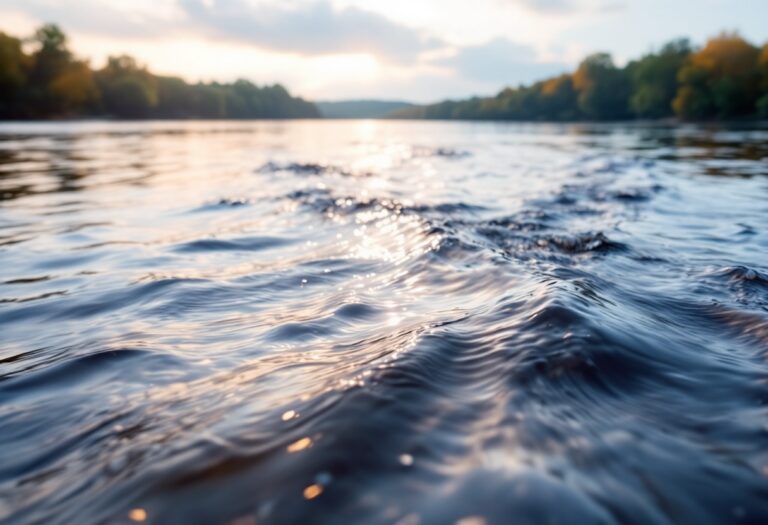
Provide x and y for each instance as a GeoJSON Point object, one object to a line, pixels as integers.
{"type": "Point", "coordinates": [74, 90]}
{"type": "Point", "coordinates": [58, 84]}
{"type": "Point", "coordinates": [720, 80]}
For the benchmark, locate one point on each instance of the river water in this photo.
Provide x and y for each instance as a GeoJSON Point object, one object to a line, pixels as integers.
{"type": "Point", "coordinates": [361, 322]}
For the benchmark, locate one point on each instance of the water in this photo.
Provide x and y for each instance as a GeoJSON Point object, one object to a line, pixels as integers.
{"type": "Point", "coordinates": [383, 322]}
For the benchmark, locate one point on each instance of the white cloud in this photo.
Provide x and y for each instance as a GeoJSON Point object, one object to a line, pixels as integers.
{"type": "Point", "coordinates": [314, 28]}
{"type": "Point", "coordinates": [501, 62]}
{"type": "Point", "coordinates": [565, 7]}
{"type": "Point", "coordinates": [131, 20]}
{"type": "Point", "coordinates": [547, 5]}
{"type": "Point", "coordinates": [310, 28]}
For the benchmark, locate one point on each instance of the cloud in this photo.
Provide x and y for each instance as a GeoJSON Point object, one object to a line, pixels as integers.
{"type": "Point", "coordinates": [313, 29]}
{"type": "Point", "coordinates": [547, 5]}
{"type": "Point", "coordinates": [95, 17]}
{"type": "Point", "coordinates": [562, 7]}
{"type": "Point", "coordinates": [500, 62]}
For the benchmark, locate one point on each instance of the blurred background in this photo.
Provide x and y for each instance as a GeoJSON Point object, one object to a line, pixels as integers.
{"type": "Point", "coordinates": [395, 52]}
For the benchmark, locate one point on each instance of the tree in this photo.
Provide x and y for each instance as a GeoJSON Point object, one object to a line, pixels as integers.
{"type": "Point", "coordinates": [174, 98]}
{"type": "Point", "coordinates": [74, 89]}
{"type": "Point", "coordinates": [654, 80]}
{"type": "Point", "coordinates": [210, 101]}
{"type": "Point", "coordinates": [14, 67]}
{"type": "Point", "coordinates": [720, 80]}
{"type": "Point", "coordinates": [762, 65]}
{"type": "Point", "coordinates": [50, 60]}
{"type": "Point", "coordinates": [128, 89]}
{"type": "Point", "coordinates": [603, 89]}
{"type": "Point", "coordinates": [244, 100]}
{"type": "Point", "coordinates": [129, 97]}
{"type": "Point", "coordinates": [558, 99]}
{"type": "Point", "coordinates": [52, 82]}
{"type": "Point", "coordinates": [57, 84]}
{"type": "Point", "coordinates": [51, 56]}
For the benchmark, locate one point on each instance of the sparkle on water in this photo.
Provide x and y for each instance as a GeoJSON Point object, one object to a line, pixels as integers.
{"type": "Point", "coordinates": [383, 322]}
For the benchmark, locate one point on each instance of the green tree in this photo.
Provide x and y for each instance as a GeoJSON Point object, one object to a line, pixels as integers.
{"type": "Point", "coordinates": [129, 97]}
{"type": "Point", "coordinates": [762, 64]}
{"type": "Point", "coordinates": [558, 98]}
{"type": "Point", "coordinates": [244, 100]}
{"type": "Point", "coordinates": [51, 60]}
{"type": "Point", "coordinates": [14, 67]}
{"type": "Point", "coordinates": [51, 56]}
{"type": "Point", "coordinates": [210, 101]}
{"type": "Point", "coordinates": [654, 80]}
{"type": "Point", "coordinates": [174, 98]}
{"type": "Point", "coordinates": [603, 89]}
{"type": "Point", "coordinates": [128, 89]}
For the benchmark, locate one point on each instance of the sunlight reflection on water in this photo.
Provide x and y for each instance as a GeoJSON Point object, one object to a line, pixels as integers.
{"type": "Point", "coordinates": [382, 322]}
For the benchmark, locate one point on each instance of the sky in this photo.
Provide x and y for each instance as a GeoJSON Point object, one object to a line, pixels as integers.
{"type": "Point", "coordinates": [416, 50]}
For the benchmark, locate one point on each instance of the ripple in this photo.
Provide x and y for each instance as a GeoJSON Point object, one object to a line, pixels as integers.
{"type": "Point", "coordinates": [582, 243]}
{"type": "Point", "coordinates": [247, 244]}
{"type": "Point", "coordinates": [74, 371]}
{"type": "Point", "coordinates": [388, 323]}
{"type": "Point", "coordinates": [310, 169]}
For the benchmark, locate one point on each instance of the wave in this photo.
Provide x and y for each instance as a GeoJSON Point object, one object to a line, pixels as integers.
{"type": "Point", "coordinates": [564, 326]}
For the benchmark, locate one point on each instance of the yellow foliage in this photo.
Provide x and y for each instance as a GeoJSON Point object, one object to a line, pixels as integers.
{"type": "Point", "coordinates": [75, 86]}
{"type": "Point", "coordinates": [550, 87]}
{"type": "Point", "coordinates": [726, 55]}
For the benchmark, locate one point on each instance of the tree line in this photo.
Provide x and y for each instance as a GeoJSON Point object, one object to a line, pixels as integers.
{"type": "Point", "coordinates": [50, 82]}
{"type": "Point", "coordinates": [725, 79]}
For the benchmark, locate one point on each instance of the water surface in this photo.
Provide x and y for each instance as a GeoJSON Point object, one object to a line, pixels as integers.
{"type": "Point", "coordinates": [383, 322]}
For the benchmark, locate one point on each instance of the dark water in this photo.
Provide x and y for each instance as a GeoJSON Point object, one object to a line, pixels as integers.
{"type": "Point", "coordinates": [372, 323]}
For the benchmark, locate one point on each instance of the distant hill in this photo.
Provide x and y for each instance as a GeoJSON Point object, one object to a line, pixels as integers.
{"type": "Point", "coordinates": [360, 108]}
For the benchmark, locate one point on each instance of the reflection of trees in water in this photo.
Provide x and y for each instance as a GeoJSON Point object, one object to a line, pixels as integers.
{"type": "Point", "coordinates": [35, 164]}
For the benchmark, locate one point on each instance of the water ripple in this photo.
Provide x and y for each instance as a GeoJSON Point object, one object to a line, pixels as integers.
{"type": "Point", "coordinates": [410, 323]}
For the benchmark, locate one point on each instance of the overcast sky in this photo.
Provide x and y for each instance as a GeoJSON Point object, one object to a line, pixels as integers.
{"type": "Point", "coordinates": [420, 50]}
